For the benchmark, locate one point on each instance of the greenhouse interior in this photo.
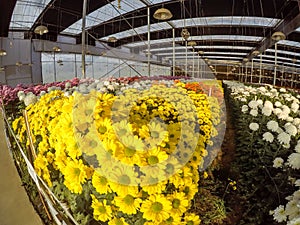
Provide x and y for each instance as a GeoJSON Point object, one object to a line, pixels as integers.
{"type": "Point", "coordinates": [150, 112]}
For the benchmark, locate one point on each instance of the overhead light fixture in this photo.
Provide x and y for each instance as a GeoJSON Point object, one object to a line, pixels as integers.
{"type": "Point", "coordinates": [3, 52]}
{"type": "Point", "coordinates": [41, 29]}
{"type": "Point", "coordinates": [245, 59]}
{"type": "Point", "coordinates": [185, 34]}
{"type": "Point", "coordinates": [294, 60]}
{"type": "Point", "coordinates": [255, 52]}
{"type": "Point", "coordinates": [192, 43]}
{"type": "Point", "coordinates": [162, 14]}
{"type": "Point", "coordinates": [56, 49]}
{"type": "Point", "coordinates": [19, 63]}
{"type": "Point", "coordinates": [201, 52]}
{"type": "Point", "coordinates": [112, 39]}
{"type": "Point", "coordinates": [278, 36]}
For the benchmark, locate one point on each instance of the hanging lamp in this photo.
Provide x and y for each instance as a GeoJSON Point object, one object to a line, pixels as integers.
{"type": "Point", "coordinates": [56, 49]}
{"type": "Point", "coordinates": [185, 34]}
{"type": "Point", "coordinates": [255, 52]}
{"type": "Point", "coordinates": [162, 14]}
{"type": "Point", "coordinates": [3, 52]}
{"type": "Point", "coordinates": [41, 29]}
{"type": "Point", "coordinates": [278, 36]}
{"type": "Point", "coordinates": [192, 43]}
{"type": "Point", "coordinates": [112, 39]}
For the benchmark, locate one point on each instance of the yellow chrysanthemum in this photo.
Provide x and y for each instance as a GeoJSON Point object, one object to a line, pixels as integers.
{"type": "Point", "coordinates": [74, 175]}
{"type": "Point", "coordinates": [123, 180]}
{"type": "Point", "coordinates": [100, 183]}
{"type": "Point", "coordinates": [179, 203]}
{"type": "Point", "coordinates": [192, 219]}
{"type": "Point", "coordinates": [128, 204]}
{"type": "Point", "coordinates": [102, 211]}
{"type": "Point", "coordinates": [117, 221]}
{"type": "Point", "coordinates": [156, 208]}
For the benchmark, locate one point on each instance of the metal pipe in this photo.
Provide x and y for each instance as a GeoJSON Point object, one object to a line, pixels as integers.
{"type": "Point", "coordinates": [275, 69]}
{"type": "Point", "coordinates": [83, 39]}
{"type": "Point", "coordinates": [260, 68]}
{"type": "Point", "coordinates": [186, 67]}
{"type": "Point", "coordinates": [173, 32]}
{"type": "Point", "coordinates": [148, 15]}
{"type": "Point", "coordinates": [251, 71]}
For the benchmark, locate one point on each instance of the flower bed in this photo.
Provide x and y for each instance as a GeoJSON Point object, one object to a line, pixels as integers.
{"type": "Point", "coordinates": [124, 151]}
{"type": "Point", "coordinates": [267, 128]}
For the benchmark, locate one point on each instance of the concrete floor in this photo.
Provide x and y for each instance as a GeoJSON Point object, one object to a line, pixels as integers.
{"type": "Point", "coordinates": [15, 207]}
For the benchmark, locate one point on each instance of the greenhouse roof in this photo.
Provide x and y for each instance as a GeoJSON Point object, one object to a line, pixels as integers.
{"type": "Point", "coordinates": [233, 29]}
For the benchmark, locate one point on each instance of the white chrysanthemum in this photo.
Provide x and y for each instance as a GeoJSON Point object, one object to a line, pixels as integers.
{"type": "Point", "coordinates": [260, 102]}
{"type": "Point", "coordinates": [290, 129]}
{"type": "Point", "coordinates": [296, 121]}
{"type": "Point", "coordinates": [289, 119]}
{"type": "Point", "coordinates": [262, 89]}
{"type": "Point", "coordinates": [297, 147]}
{"type": "Point", "coordinates": [253, 104]}
{"type": "Point", "coordinates": [284, 115]}
{"type": "Point", "coordinates": [268, 104]}
{"type": "Point", "coordinates": [286, 109]}
{"type": "Point", "coordinates": [295, 221]}
{"type": "Point", "coordinates": [21, 95]}
{"type": "Point", "coordinates": [284, 138]}
{"type": "Point", "coordinates": [294, 107]}
{"type": "Point", "coordinates": [291, 209]}
{"type": "Point", "coordinates": [283, 90]}
{"type": "Point", "coordinates": [294, 160]}
{"type": "Point", "coordinates": [278, 162]}
{"type": "Point", "coordinates": [244, 108]}
{"type": "Point", "coordinates": [279, 130]}
{"type": "Point", "coordinates": [279, 214]}
{"type": "Point", "coordinates": [272, 125]}
{"type": "Point", "coordinates": [278, 104]}
{"type": "Point", "coordinates": [30, 99]}
{"type": "Point", "coordinates": [253, 126]}
{"type": "Point", "coordinates": [266, 111]}
{"type": "Point", "coordinates": [243, 99]}
{"type": "Point", "coordinates": [253, 112]}
{"type": "Point", "coordinates": [268, 137]}
{"type": "Point", "coordinates": [277, 111]}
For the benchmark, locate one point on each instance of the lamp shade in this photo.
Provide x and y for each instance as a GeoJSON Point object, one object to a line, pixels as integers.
{"type": "Point", "coordinates": [185, 34]}
{"type": "Point", "coordinates": [41, 29]}
{"type": "Point", "coordinates": [56, 49]}
{"type": "Point", "coordinates": [192, 43]}
{"type": "Point", "coordinates": [2, 52]}
{"type": "Point", "coordinates": [112, 39]}
{"type": "Point", "coordinates": [162, 14]}
{"type": "Point", "coordinates": [278, 36]}
{"type": "Point", "coordinates": [255, 52]}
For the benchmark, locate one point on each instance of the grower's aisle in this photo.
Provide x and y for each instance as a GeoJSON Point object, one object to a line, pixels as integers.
{"type": "Point", "coordinates": [15, 206]}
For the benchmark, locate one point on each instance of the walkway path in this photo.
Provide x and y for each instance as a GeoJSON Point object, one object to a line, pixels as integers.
{"type": "Point", "coordinates": [15, 207]}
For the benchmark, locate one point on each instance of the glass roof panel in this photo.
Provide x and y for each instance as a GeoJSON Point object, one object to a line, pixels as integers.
{"type": "Point", "coordinates": [202, 47]}
{"type": "Point", "coordinates": [227, 21]}
{"type": "Point", "coordinates": [223, 57]}
{"type": "Point", "coordinates": [26, 12]}
{"type": "Point", "coordinates": [279, 62]}
{"type": "Point", "coordinates": [105, 13]}
{"type": "Point", "coordinates": [205, 53]}
{"type": "Point", "coordinates": [204, 21]}
{"type": "Point", "coordinates": [158, 1]}
{"type": "Point", "coordinates": [140, 30]}
{"type": "Point", "coordinates": [199, 38]}
{"type": "Point", "coordinates": [290, 43]}
{"type": "Point", "coordinates": [284, 52]}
